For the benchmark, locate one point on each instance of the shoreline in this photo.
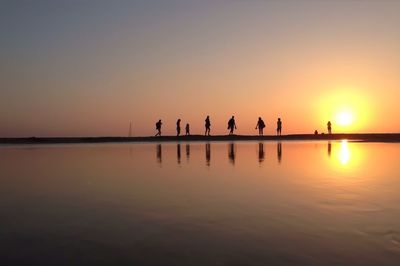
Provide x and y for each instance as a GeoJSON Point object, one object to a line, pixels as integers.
{"type": "Point", "coordinates": [354, 137]}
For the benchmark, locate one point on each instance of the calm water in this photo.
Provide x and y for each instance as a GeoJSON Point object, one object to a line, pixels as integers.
{"type": "Point", "coordinates": [247, 203]}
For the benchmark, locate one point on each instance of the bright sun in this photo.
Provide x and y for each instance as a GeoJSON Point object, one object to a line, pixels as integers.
{"type": "Point", "coordinates": [344, 118]}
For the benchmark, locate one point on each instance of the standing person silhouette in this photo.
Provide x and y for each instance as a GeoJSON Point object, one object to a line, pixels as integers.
{"type": "Point", "coordinates": [178, 127]}
{"type": "Point", "coordinates": [187, 128]}
{"type": "Point", "coordinates": [158, 127]}
{"type": "Point", "coordinates": [260, 125]}
{"type": "Point", "coordinates": [279, 127]}
{"type": "Point", "coordinates": [208, 126]}
{"type": "Point", "coordinates": [231, 125]}
{"type": "Point", "coordinates": [329, 125]}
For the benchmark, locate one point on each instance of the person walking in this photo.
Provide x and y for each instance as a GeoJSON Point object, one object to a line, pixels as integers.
{"type": "Point", "coordinates": [260, 125]}
{"type": "Point", "coordinates": [208, 126]}
{"type": "Point", "coordinates": [178, 127]}
{"type": "Point", "coordinates": [187, 128]}
{"type": "Point", "coordinates": [231, 125]}
{"type": "Point", "coordinates": [158, 127]}
{"type": "Point", "coordinates": [279, 127]}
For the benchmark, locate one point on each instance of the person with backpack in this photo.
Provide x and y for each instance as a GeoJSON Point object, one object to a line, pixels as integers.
{"type": "Point", "coordinates": [231, 125]}
{"type": "Point", "coordinates": [158, 128]}
{"type": "Point", "coordinates": [260, 125]}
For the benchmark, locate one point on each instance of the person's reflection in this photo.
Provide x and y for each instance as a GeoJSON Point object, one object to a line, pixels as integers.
{"type": "Point", "coordinates": [208, 153]}
{"type": "Point", "coordinates": [279, 151]}
{"type": "Point", "coordinates": [159, 153]}
{"type": "Point", "coordinates": [329, 148]}
{"type": "Point", "coordinates": [231, 153]}
{"type": "Point", "coordinates": [261, 153]}
{"type": "Point", "coordinates": [178, 152]}
{"type": "Point", "coordinates": [187, 151]}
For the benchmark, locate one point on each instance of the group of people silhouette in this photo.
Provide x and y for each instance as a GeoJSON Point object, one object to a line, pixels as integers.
{"type": "Point", "coordinates": [231, 127]}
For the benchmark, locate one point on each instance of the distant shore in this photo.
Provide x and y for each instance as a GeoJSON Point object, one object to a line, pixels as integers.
{"type": "Point", "coordinates": [362, 137]}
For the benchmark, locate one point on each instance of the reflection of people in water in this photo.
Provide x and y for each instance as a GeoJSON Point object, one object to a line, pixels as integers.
{"type": "Point", "coordinates": [178, 152]}
{"type": "Point", "coordinates": [231, 153]}
{"type": "Point", "coordinates": [187, 151]}
{"type": "Point", "coordinates": [208, 153]}
{"type": "Point", "coordinates": [261, 152]}
{"type": "Point", "coordinates": [329, 148]}
{"type": "Point", "coordinates": [159, 155]}
{"type": "Point", "coordinates": [279, 151]}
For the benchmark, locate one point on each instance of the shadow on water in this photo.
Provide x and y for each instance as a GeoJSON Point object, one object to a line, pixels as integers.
{"type": "Point", "coordinates": [231, 153]}
{"type": "Point", "coordinates": [208, 154]}
{"type": "Point", "coordinates": [261, 154]}
{"type": "Point", "coordinates": [159, 153]}
{"type": "Point", "coordinates": [178, 152]}
{"type": "Point", "coordinates": [279, 151]}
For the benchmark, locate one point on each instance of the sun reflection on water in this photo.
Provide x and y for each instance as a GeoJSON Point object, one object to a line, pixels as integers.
{"type": "Point", "coordinates": [344, 154]}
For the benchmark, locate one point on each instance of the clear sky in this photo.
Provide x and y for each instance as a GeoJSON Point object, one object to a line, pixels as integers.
{"type": "Point", "coordinates": [88, 68]}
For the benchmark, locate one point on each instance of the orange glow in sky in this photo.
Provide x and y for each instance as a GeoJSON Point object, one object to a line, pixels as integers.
{"type": "Point", "coordinates": [91, 69]}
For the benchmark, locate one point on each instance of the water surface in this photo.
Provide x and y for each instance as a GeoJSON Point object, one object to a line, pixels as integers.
{"type": "Point", "coordinates": [218, 203]}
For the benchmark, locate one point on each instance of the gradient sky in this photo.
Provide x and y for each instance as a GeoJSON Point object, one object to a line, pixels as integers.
{"type": "Point", "coordinates": [88, 68]}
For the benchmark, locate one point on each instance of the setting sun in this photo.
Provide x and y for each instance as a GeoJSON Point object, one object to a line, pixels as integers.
{"type": "Point", "coordinates": [344, 118]}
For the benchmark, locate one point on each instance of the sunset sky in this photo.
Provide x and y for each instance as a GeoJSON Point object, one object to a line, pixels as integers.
{"type": "Point", "coordinates": [89, 68]}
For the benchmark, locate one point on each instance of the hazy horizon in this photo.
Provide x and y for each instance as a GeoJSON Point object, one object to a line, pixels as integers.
{"type": "Point", "coordinates": [89, 68]}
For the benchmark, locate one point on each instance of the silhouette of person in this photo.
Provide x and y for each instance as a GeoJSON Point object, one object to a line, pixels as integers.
{"type": "Point", "coordinates": [279, 127]}
{"type": "Point", "coordinates": [260, 125]}
{"type": "Point", "coordinates": [178, 127]}
{"type": "Point", "coordinates": [208, 153]}
{"type": "Point", "coordinates": [178, 152]}
{"type": "Point", "coordinates": [279, 151]}
{"type": "Point", "coordinates": [187, 128]}
{"type": "Point", "coordinates": [158, 127]}
{"type": "Point", "coordinates": [231, 153]}
{"type": "Point", "coordinates": [159, 153]}
{"type": "Point", "coordinates": [231, 125]}
{"type": "Point", "coordinates": [208, 126]}
{"type": "Point", "coordinates": [316, 132]}
{"type": "Point", "coordinates": [329, 125]}
{"type": "Point", "coordinates": [261, 153]}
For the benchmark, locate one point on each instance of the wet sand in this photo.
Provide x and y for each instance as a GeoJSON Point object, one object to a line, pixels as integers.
{"type": "Point", "coordinates": [362, 137]}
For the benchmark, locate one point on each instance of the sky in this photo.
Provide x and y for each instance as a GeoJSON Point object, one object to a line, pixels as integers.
{"type": "Point", "coordinates": [92, 67]}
